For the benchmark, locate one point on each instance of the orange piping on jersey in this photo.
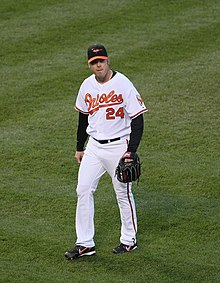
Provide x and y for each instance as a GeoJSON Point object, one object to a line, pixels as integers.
{"type": "Point", "coordinates": [77, 109]}
{"type": "Point", "coordinates": [97, 57]}
{"type": "Point", "coordinates": [144, 110]}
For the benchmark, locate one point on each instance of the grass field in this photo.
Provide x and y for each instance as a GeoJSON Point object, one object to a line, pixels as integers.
{"type": "Point", "coordinates": [171, 52]}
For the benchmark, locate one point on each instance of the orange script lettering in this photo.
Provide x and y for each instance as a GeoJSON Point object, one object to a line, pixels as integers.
{"type": "Point", "coordinates": [103, 100]}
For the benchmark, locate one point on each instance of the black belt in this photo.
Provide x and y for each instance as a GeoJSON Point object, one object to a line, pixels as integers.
{"type": "Point", "coordinates": [107, 141]}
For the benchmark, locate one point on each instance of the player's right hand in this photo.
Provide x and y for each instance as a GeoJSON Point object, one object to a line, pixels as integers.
{"type": "Point", "coordinates": [79, 156]}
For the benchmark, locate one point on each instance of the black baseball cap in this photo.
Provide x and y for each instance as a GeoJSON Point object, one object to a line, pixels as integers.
{"type": "Point", "coordinates": [97, 51]}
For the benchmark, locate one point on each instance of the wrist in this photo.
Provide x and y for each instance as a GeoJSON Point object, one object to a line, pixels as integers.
{"type": "Point", "coordinates": [129, 155]}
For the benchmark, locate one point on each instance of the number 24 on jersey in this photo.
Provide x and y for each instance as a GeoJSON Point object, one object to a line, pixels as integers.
{"type": "Point", "coordinates": [112, 113]}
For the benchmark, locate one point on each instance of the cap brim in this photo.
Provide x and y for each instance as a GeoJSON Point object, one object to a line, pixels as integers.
{"type": "Point", "coordinates": [97, 57]}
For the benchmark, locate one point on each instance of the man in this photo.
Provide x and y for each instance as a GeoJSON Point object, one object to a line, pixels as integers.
{"type": "Point", "coordinates": [110, 113]}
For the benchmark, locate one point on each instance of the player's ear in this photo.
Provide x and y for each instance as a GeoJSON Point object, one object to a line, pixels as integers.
{"type": "Point", "coordinates": [89, 66]}
{"type": "Point", "coordinates": [108, 62]}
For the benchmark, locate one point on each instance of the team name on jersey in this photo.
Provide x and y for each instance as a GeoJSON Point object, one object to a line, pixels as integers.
{"type": "Point", "coordinates": [102, 100]}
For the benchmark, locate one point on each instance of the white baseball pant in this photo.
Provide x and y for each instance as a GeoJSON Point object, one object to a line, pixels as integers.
{"type": "Point", "coordinates": [99, 158]}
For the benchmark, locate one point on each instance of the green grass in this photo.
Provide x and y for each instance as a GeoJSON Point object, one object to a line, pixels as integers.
{"type": "Point", "coordinates": [170, 50]}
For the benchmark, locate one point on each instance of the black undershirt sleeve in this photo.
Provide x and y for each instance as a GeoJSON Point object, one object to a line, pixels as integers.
{"type": "Point", "coordinates": [137, 127]}
{"type": "Point", "coordinates": [81, 131]}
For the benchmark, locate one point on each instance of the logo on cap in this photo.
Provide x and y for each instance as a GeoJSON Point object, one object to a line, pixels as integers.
{"type": "Point", "coordinates": [96, 50]}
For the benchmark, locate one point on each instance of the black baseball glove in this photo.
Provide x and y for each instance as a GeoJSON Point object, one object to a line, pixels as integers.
{"type": "Point", "coordinates": [129, 168]}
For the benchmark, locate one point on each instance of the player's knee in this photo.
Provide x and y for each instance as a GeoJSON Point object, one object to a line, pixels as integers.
{"type": "Point", "coordinates": [84, 190]}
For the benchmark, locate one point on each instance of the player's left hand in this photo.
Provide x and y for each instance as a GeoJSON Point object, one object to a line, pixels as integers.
{"type": "Point", "coordinates": [128, 157]}
{"type": "Point", "coordinates": [129, 168]}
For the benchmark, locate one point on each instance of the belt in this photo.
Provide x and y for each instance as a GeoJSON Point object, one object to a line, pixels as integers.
{"type": "Point", "coordinates": [107, 141]}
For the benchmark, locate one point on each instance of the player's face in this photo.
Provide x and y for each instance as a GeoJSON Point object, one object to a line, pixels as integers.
{"type": "Point", "coordinates": [101, 69]}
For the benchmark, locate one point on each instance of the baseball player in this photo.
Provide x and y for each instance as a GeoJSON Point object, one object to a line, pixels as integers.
{"type": "Point", "coordinates": [111, 114]}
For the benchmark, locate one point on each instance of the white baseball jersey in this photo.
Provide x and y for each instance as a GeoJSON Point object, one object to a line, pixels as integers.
{"type": "Point", "coordinates": [111, 106]}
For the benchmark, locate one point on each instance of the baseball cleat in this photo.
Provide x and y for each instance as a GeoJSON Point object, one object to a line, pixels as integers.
{"type": "Point", "coordinates": [79, 251]}
{"type": "Point", "coordinates": [124, 249]}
